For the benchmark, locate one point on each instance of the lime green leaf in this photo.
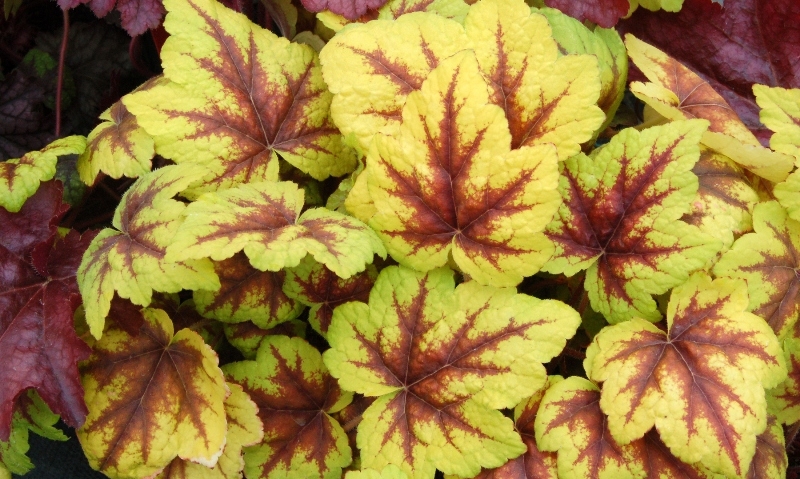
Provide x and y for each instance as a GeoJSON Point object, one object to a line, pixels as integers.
{"type": "Point", "coordinates": [442, 359]}
{"type": "Point", "coordinates": [20, 177]}
{"type": "Point", "coordinates": [769, 260]}
{"type": "Point", "coordinates": [388, 472]}
{"type": "Point", "coordinates": [678, 93]}
{"type": "Point", "coordinates": [394, 9]}
{"type": "Point", "coordinates": [701, 383]}
{"type": "Point", "coordinates": [244, 429]}
{"type": "Point", "coordinates": [546, 99]}
{"type": "Point", "coordinates": [262, 219]}
{"type": "Point", "coordinates": [247, 337]}
{"type": "Point", "coordinates": [620, 217]}
{"type": "Point", "coordinates": [131, 259]}
{"type": "Point", "coordinates": [247, 294]}
{"type": "Point", "coordinates": [788, 194]}
{"type": "Point", "coordinates": [238, 96]}
{"type": "Point", "coordinates": [152, 397]}
{"type": "Point", "coordinates": [784, 400]}
{"type": "Point", "coordinates": [31, 414]}
{"type": "Point", "coordinates": [312, 284]}
{"type": "Point", "coordinates": [437, 186]}
{"type": "Point", "coordinates": [780, 112]}
{"type": "Point", "coordinates": [295, 396]}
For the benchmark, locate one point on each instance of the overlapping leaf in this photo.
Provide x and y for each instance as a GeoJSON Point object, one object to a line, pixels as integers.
{"type": "Point", "coordinates": [244, 429]}
{"type": "Point", "coordinates": [131, 259]}
{"type": "Point", "coordinates": [780, 112]}
{"type": "Point", "coordinates": [137, 16]}
{"type": "Point", "coordinates": [605, 13]}
{"type": "Point", "coordinates": [20, 177]}
{"type": "Point", "coordinates": [38, 296]}
{"type": "Point", "coordinates": [394, 9]}
{"type": "Point", "coordinates": [312, 284]}
{"type": "Point", "coordinates": [31, 414]}
{"type": "Point", "coordinates": [438, 189]}
{"type": "Point", "coordinates": [264, 220]}
{"type": "Point", "coordinates": [701, 383]}
{"type": "Point", "coordinates": [440, 360]}
{"type": "Point", "coordinates": [153, 397]}
{"type": "Point", "coordinates": [784, 400]}
{"type": "Point", "coordinates": [676, 92]}
{"type": "Point", "coordinates": [238, 97]}
{"type": "Point", "coordinates": [349, 9]}
{"type": "Point", "coordinates": [295, 396]}
{"type": "Point", "coordinates": [620, 217]}
{"type": "Point", "coordinates": [247, 294]}
{"type": "Point", "coordinates": [769, 260]}
{"type": "Point", "coordinates": [247, 337]}
{"type": "Point", "coordinates": [770, 461]}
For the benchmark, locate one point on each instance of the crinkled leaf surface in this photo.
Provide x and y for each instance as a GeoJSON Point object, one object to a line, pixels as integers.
{"type": "Point", "coordinates": [244, 429]}
{"type": "Point", "coordinates": [620, 217]}
{"type": "Point", "coordinates": [152, 397]}
{"type": "Point", "coordinates": [441, 360]}
{"type": "Point", "coordinates": [701, 383]}
{"type": "Point", "coordinates": [388, 472]}
{"type": "Point", "coordinates": [238, 96]}
{"type": "Point", "coordinates": [131, 259]}
{"type": "Point", "coordinates": [780, 112]}
{"type": "Point", "coordinates": [746, 42]}
{"type": "Point", "coordinates": [264, 220]}
{"type": "Point", "coordinates": [676, 93]}
{"type": "Point", "coordinates": [38, 296]}
{"type": "Point", "coordinates": [438, 189]}
{"type": "Point", "coordinates": [20, 177]}
{"type": "Point", "coordinates": [247, 294]}
{"type": "Point", "coordinates": [769, 260]}
{"type": "Point", "coordinates": [31, 414]}
{"type": "Point", "coordinates": [312, 284]}
{"type": "Point", "coordinates": [295, 396]}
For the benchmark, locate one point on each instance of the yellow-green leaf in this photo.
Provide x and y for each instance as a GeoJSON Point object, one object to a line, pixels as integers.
{"type": "Point", "coordinates": [780, 112]}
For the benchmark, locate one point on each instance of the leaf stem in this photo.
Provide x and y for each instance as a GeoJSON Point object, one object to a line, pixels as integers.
{"type": "Point", "coordinates": [60, 80]}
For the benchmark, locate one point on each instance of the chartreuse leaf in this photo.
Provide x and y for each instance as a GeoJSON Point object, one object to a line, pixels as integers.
{"type": "Point", "coordinates": [238, 97]}
{"type": "Point", "coordinates": [441, 360]}
{"type": "Point", "coordinates": [20, 177]}
{"type": "Point", "coordinates": [312, 284]}
{"type": "Point", "coordinates": [264, 220]}
{"type": "Point", "coordinates": [394, 9]}
{"type": "Point", "coordinates": [152, 397]}
{"type": "Point", "coordinates": [295, 396]}
{"type": "Point", "coordinates": [701, 383]}
{"type": "Point", "coordinates": [678, 93]}
{"type": "Point", "coordinates": [784, 400]}
{"type": "Point", "coordinates": [118, 146]}
{"type": "Point", "coordinates": [244, 429]}
{"type": "Point", "coordinates": [131, 259]}
{"type": "Point", "coordinates": [448, 182]}
{"type": "Point", "coordinates": [546, 99]}
{"type": "Point", "coordinates": [769, 260]}
{"type": "Point", "coordinates": [247, 294]}
{"type": "Point", "coordinates": [780, 112]}
{"type": "Point", "coordinates": [620, 217]}
{"type": "Point", "coordinates": [389, 472]}
{"type": "Point", "coordinates": [31, 414]}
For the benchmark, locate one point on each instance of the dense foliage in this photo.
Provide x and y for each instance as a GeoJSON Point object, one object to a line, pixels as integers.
{"type": "Point", "coordinates": [516, 259]}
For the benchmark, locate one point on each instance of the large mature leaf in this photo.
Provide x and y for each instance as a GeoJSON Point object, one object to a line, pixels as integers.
{"type": "Point", "coordinates": [238, 97]}
{"type": "Point", "coordinates": [152, 397]}
{"type": "Point", "coordinates": [131, 259]}
{"type": "Point", "coordinates": [620, 217]}
{"type": "Point", "coordinates": [295, 396]}
{"type": "Point", "coordinates": [20, 177]}
{"type": "Point", "coordinates": [31, 414]}
{"type": "Point", "coordinates": [438, 189]}
{"type": "Point", "coordinates": [264, 220]}
{"type": "Point", "coordinates": [701, 383]}
{"type": "Point", "coordinates": [38, 296]}
{"type": "Point", "coordinates": [678, 93]}
{"type": "Point", "coordinates": [441, 360]}
{"type": "Point", "coordinates": [769, 260]}
{"type": "Point", "coordinates": [746, 42]}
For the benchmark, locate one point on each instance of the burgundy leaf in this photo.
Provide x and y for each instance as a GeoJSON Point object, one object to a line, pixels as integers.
{"type": "Point", "coordinates": [350, 9]}
{"type": "Point", "coordinates": [605, 13]}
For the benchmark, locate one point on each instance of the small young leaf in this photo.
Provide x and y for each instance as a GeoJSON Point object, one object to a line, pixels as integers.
{"type": "Point", "coordinates": [605, 13]}
{"type": "Point", "coordinates": [784, 400]}
{"type": "Point", "coordinates": [780, 112]}
{"type": "Point", "coordinates": [31, 414]}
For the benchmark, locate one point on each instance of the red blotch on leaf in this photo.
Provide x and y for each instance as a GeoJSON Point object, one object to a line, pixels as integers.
{"type": "Point", "coordinates": [349, 9]}
{"type": "Point", "coordinates": [605, 13]}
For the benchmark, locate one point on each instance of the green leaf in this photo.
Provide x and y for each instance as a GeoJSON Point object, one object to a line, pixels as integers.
{"type": "Point", "coordinates": [31, 414]}
{"type": "Point", "coordinates": [784, 400]}
{"type": "Point", "coordinates": [441, 360]}
{"type": "Point", "coordinates": [780, 112]}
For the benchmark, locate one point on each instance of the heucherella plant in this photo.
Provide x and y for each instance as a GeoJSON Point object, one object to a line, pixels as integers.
{"type": "Point", "coordinates": [422, 239]}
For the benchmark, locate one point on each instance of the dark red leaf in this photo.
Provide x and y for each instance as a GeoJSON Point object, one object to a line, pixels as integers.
{"type": "Point", "coordinates": [605, 13]}
{"type": "Point", "coordinates": [349, 9]}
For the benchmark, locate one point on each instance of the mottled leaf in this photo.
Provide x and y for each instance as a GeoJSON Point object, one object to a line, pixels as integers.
{"type": "Point", "coordinates": [20, 177]}
{"type": "Point", "coordinates": [38, 296]}
{"type": "Point", "coordinates": [620, 217]}
{"type": "Point", "coordinates": [769, 260]}
{"type": "Point", "coordinates": [312, 284]}
{"type": "Point", "coordinates": [441, 359]}
{"type": "Point", "coordinates": [784, 400]}
{"type": "Point", "coordinates": [295, 396]}
{"type": "Point", "coordinates": [130, 260]}
{"type": "Point", "coordinates": [678, 93]}
{"type": "Point", "coordinates": [247, 294]}
{"type": "Point", "coordinates": [152, 397]}
{"type": "Point", "coordinates": [394, 9]}
{"type": "Point", "coordinates": [438, 189]}
{"type": "Point", "coordinates": [247, 337]}
{"type": "Point", "coordinates": [238, 97]}
{"type": "Point", "coordinates": [264, 220]}
{"type": "Point", "coordinates": [701, 383]}
{"type": "Point", "coordinates": [770, 461]}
